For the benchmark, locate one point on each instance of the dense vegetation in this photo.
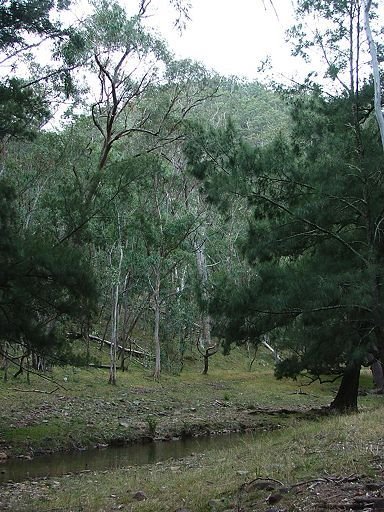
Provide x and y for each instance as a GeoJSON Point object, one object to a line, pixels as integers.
{"type": "Point", "coordinates": [170, 207]}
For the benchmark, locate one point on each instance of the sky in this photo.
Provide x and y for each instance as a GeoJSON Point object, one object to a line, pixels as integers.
{"type": "Point", "coordinates": [232, 36]}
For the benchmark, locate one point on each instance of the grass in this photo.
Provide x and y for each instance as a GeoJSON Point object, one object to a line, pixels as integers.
{"type": "Point", "coordinates": [333, 446]}
{"type": "Point", "coordinates": [89, 411]}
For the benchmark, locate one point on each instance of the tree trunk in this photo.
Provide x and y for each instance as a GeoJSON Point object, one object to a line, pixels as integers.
{"type": "Point", "coordinates": [115, 322]}
{"type": "Point", "coordinates": [156, 336]}
{"type": "Point", "coordinates": [206, 362]}
{"type": "Point", "coordinates": [375, 71]}
{"type": "Point", "coordinates": [5, 361]}
{"type": "Point", "coordinates": [378, 376]}
{"type": "Point", "coordinates": [205, 321]}
{"type": "Point", "coordinates": [114, 343]}
{"type": "Point", "coordinates": [346, 398]}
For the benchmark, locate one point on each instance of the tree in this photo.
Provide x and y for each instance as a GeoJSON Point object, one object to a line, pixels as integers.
{"type": "Point", "coordinates": [373, 50]}
{"type": "Point", "coordinates": [313, 245]}
{"type": "Point", "coordinates": [24, 26]}
{"type": "Point", "coordinates": [166, 225]}
{"type": "Point", "coordinates": [39, 284]}
{"type": "Point", "coordinates": [314, 240]}
{"type": "Point", "coordinates": [142, 93]}
{"type": "Point", "coordinates": [21, 17]}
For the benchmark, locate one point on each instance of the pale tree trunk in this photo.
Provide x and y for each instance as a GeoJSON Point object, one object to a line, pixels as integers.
{"type": "Point", "coordinates": [378, 376]}
{"type": "Point", "coordinates": [375, 70]}
{"type": "Point", "coordinates": [205, 345]}
{"type": "Point", "coordinates": [156, 331]}
{"type": "Point", "coordinates": [179, 288]}
{"type": "Point", "coordinates": [266, 344]}
{"type": "Point", "coordinates": [202, 270]}
{"type": "Point", "coordinates": [115, 322]}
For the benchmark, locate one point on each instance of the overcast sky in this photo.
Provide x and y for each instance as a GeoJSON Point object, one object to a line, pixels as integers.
{"type": "Point", "coordinates": [232, 37]}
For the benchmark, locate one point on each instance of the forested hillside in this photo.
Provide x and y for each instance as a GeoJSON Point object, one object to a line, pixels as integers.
{"type": "Point", "coordinates": [151, 206]}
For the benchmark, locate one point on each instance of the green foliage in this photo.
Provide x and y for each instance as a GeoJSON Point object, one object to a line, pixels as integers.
{"type": "Point", "coordinates": [18, 17]}
{"type": "Point", "coordinates": [151, 424]}
{"type": "Point", "coordinates": [22, 109]}
{"type": "Point", "coordinates": [40, 284]}
{"type": "Point", "coordinates": [316, 278]}
{"type": "Point", "coordinates": [210, 152]}
{"type": "Point", "coordinates": [259, 114]}
{"type": "Point", "coordinates": [23, 105]}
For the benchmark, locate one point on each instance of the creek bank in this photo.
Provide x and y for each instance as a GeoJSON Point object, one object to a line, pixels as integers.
{"type": "Point", "coordinates": [157, 426]}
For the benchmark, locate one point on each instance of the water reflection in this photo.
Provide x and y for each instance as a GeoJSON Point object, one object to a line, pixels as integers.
{"type": "Point", "coordinates": [114, 458]}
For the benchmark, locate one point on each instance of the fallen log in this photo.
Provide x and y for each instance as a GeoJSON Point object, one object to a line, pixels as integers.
{"type": "Point", "coordinates": [137, 353]}
{"type": "Point", "coordinates": [140, 354]}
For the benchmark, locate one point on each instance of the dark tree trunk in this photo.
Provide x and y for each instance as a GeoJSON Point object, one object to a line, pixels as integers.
{"type": "Point", "coordinates": [206, 363]}
{"type": "Point", "coordinates": [346, 398]}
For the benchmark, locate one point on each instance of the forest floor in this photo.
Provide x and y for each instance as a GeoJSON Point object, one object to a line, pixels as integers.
{"type": "Point", "coordinates": [302, 459]}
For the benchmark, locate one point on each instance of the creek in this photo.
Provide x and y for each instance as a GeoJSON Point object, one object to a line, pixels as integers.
{"type": "Point", "coordinates": [17, 470]}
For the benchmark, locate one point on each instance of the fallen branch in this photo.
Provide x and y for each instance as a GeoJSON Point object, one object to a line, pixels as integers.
{"type": "Point", "coordinates": [49, 379]}
{"type": "Point", "coordinates": [35, 390]}
{"type": "Point", "coordinates": [137, 353]}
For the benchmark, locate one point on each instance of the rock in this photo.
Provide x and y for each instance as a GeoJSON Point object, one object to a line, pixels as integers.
{"type": "Point", "coordinates": [139, 496]}
{"type": "Point", "coordinates": [374, 486]}
{"type": "Point", "coordinates": [274, 498]}
{"type": "Point", "coordinates": [267, 485]}
{"type": "Point", "coordinates": [242, 472]}
{"type": "Point", "coordinates": [3, 456]}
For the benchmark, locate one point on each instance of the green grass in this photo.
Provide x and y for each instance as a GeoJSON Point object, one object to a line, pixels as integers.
{"type": "Point", "coordinates": [333, 446]}
{"type": "Point", "coordinates": [87, 410]}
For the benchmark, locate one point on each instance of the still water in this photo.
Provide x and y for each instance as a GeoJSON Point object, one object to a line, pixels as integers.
{"type": "Point", "coordinates": [17, 470]}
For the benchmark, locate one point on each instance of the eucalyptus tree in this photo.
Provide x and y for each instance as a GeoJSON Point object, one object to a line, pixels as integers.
{"type": "Point", "coordinates": [166, 225]}
{"type": "Point", "coordinates": [259, 113]}
{"type": "Point", "coordinates": [137, 91]}
{"type": "Point", "coordinates": [144, 96]}
{"type": "Point", "coordinates": [376, 57]}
